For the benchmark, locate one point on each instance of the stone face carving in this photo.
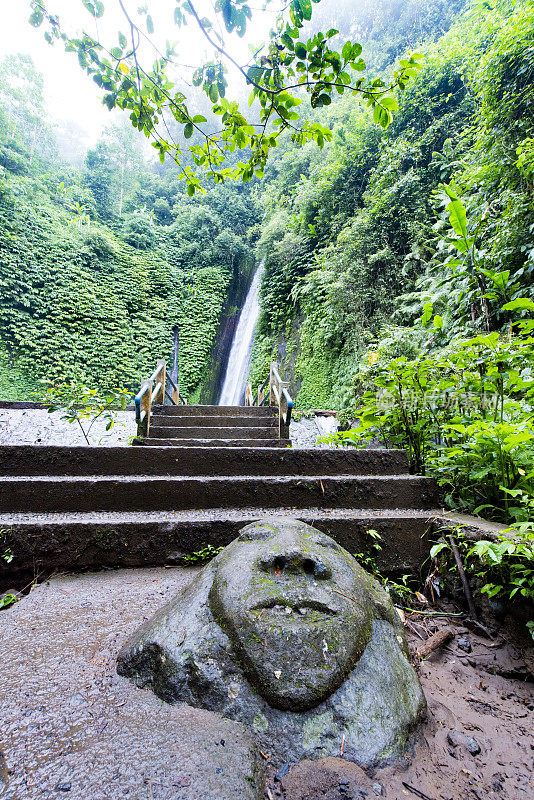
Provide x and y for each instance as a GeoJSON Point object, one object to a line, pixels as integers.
{"type": "Point", "coordinates": [285, 632]}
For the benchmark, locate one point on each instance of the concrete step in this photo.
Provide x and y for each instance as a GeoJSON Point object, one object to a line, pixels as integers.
{"type": "Point", "coordinates": [31, 460]}
{"type": "Point", "coordinates": [169, 432]}
{"type": "Point", "coordinates": [79, 541]}
{"type": "Point", "coordinates": [165, 420]}
{"type": "Point", "coordinates": [149, 493]}
{"type": "Point", "coordinates": [217, 411]}
{"type": "Point", "coordinates": [211, 443]}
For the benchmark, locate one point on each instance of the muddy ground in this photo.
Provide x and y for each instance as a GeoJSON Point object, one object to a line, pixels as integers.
{"type": "Point", "coordinates": [477, 743]}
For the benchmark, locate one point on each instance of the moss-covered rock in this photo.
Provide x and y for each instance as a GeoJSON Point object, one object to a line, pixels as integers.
{"type": "Point", "coordinates": [285, 632]}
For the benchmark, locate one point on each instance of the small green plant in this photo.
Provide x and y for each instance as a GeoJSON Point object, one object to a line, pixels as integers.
{"type": "Point", "coordinates": [7, 600]}
{"type": "Point", "coordinates": [82, 405]}
{"type": "Point", "coordinates": [202, 556]}
{"type": "Point", "coordinates": [399, 592]}
{"type": "Point", "coordinates": [505, 565]}
{"type": "Point", "coordinates": [6, 553]}
{"type": "Point", "coordinates": [368, 560]}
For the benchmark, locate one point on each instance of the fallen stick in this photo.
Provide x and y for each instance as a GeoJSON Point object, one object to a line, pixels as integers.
{"type": "Point", "coordinates": [418, 792]}
{"type": "Point", "coordinates": [437, 640]}
{"type": "Point", "coordinates": [463, 577]}
{"type": "Point", "coordinates": [435, 613]}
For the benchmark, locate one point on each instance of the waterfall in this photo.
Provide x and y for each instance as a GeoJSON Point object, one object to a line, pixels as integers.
{"type": "Point", "coordinates": [233, 389]}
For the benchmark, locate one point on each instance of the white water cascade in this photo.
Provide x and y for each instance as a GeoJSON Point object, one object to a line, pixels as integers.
{"type": "Point", "coordinates": [233, 388]}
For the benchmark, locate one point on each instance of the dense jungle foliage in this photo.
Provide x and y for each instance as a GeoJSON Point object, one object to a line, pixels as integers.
{"type": "Point", "coordinates": [99, 264]}
{"type": "Point", "coordinates": [399, 267]}
{"type": "Point", "coordinates": [398, 286]}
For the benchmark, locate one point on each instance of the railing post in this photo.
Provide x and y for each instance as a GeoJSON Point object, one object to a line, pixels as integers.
{"type": "Point", "coordinates": [273, 369]}
{"type": "Point", "coordinates": [161, 377]}
{"type": "Point", "coordinates": [146, 406]}
{"type": "Point", "coordinates": [261, 396]}
{"type": "Point", "coordinates": [282, 412]}
{"type": "Point", "coordinates": [249, 397]}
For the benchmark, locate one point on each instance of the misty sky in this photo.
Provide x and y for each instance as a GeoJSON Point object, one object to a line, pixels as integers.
{"type": "Point", "coordinates": [69, 93]}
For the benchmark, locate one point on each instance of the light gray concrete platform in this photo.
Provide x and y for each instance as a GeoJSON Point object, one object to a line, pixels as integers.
{"type": "Point", "coordinates": [70, 727]}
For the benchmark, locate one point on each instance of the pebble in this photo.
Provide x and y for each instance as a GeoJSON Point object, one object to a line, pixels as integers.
{"type": "Point", "coordinates": [377, 788]}
{"type": "Point", "coordinates": [282, 772]}
{"type": "Point", "coordinates": [63, 787]}
{"type": "Point", "coordinates": [464, 644]}
{"type": "Point", "coordinates": [456, 738]}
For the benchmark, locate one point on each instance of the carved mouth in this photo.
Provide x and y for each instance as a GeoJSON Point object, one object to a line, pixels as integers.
{"type": "Point", "coordinates": [293, 608]}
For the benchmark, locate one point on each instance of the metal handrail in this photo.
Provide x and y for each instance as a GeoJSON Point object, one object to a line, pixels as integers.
{"type": "Point", "coordinates": [278, 395]}
{"type": "Point", "coordinates": [289, 402]}
{"type": "Point", "coordinates": [153, 391]}
{"type": "Point", "coordinates": [140, 415]}
{"type": "Point", "coordinates": [181, 398]}
{"type": "Point", "coordinates": [157, 391]}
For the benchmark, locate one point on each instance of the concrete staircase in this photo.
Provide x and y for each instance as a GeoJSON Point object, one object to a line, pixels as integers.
{"type": "Point", "coordinates": [214, 426]}
{"type": "Point", "coordinates": [73, 508]}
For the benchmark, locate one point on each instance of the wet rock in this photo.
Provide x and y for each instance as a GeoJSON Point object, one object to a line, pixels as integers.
{"type": "Point", "coordinates": [63, 787]}
{"type": "Point", "coordinates": [377, 788]}
{"type": "Point", "coordinates": [464, 644]}
{"type": "Point", "coordinates": [285, 632]}
{"type": "Point", "coordinates": [457, 738]}
{"type": "Point", "coordinates": [282, 772]}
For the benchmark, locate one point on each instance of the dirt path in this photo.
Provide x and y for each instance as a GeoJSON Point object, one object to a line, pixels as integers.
{"type": "Point", "coordinates": [481, 701]}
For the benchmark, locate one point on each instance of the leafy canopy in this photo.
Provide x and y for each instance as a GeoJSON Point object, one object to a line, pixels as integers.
{"type": "Point", "coordinates": [277, 74]}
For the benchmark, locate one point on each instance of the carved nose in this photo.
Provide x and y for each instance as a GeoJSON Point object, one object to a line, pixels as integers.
{"type": "Point", "coordinates": [295, 562]}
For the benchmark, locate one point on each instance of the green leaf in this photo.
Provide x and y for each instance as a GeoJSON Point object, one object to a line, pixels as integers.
{"type": "Point", "coordinates": [36, 19]}
{"type": "Point", "coordinates": [149, 24]}
{"type": "Point", "coordinates": [300, 50]}
{"type": "Point", "coordinates": [460, 244]}
{"type": "Point", "coordinates": [254, 74]}
{"type": "Point", "coordinates": [346, 52]}
{"type": "Point", "coordinates": [8, 600]}
{"type": "Point", "coordinates": [519, 304]}
{"type": "Point", "coordinates": [188, 130]}
{"type": "Point", "coordinates": [437, 548]}
{"type": "Point", "coordinates": [381, 116]}
{"type": "Point", "coordinates": [287, 41]}
{"type": "Point", "coordinates": [438, 322]}
{"type": "Point", "coordinates": [306, 8]}
{"type": "Point", "coordinates": [122, 40]}
{"type": "Point", "coordinates": [390, 103]}
{"type": "Point", "coordinates": [213, 93]}
{"type": "Point", "coordinates": [427, 313]}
